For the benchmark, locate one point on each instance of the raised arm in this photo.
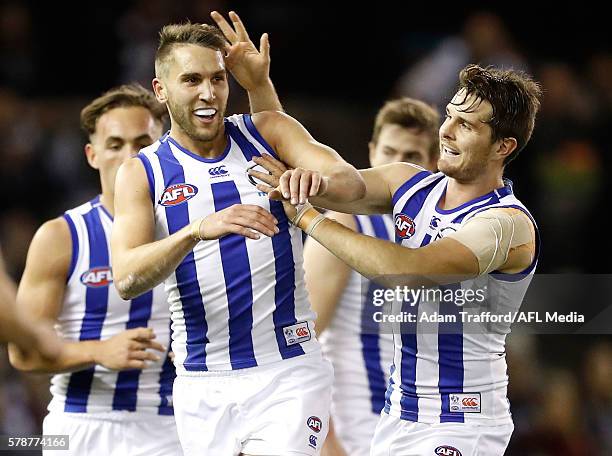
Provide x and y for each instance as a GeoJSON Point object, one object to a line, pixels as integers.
{"type": "Point", "coordinates": [381, 183]}
{"type": "Point", "coordinates": [40, 297]}
{"type": "Point", "coordinates": [333, 178]}
{"type": "Point", "coordinates": [249, 66]}
{"type": "Point", "coordinates": [140, 262]}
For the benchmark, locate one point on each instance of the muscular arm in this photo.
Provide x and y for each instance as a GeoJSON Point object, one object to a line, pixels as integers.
{"type": "Point", "coordinates": [443, 261]}
{"type": "Point", "coordinates": [40, 296]}
{"type": "Point", "coordinates": [326, 276]}
{"type": "Point", "coordinates": [296, 147]}
{"type": "Point", "coordinates": [381, 183]}
{"type": "Point", "coordinates": [139, 263]}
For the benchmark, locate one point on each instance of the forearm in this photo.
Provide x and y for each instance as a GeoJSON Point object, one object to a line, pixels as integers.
{"type": "Point", "coordinates": [74, 356]}
{"type": "Point", "coordinates": [367, 255]}
{"type": "Point", "coordinates": [264, 98]}
{"type": "Point", "coordinates": [139, 269]}
{"type": "Point", "coordinates": [344, 184]}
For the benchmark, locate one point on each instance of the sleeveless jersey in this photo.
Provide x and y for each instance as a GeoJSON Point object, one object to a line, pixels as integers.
{"type": "Point", "coordinates": [235, 302]}
{"type": "Point", "coordinates": [93, 310]}
{"type": "Point", "coordinates": [452, 371]}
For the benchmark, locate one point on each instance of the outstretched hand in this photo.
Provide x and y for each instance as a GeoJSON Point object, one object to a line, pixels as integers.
{"type": "Point", "coordinates": [249, 66]}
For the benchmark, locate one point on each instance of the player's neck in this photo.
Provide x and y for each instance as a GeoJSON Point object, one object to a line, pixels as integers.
{"type": "Point", "coordinates": [205, 149]}
{"type": "Point", "coordinates": [108, 201]}
{"type": "Point", "coordinates": [458, 193]}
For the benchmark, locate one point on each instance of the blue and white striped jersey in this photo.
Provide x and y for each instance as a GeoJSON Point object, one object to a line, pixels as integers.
{"type": "Point", "coordinates": [360, 351]}
{"type": "Point", "coordinates": [235, 302]}
{"type": "Point", "coordinates": [361, 355]}
{"type": "Point", "coordinates": [452, 371]}
{"type": "Point", "coordinates": [93, 310]}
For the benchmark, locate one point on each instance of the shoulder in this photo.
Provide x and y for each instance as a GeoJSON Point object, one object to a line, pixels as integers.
{"type": "Point", "coordinates": [274, 122]}
{"type": "Point", "coordinates": [401, 174]}
{"type": "Point", "coordinates": [53, 242]}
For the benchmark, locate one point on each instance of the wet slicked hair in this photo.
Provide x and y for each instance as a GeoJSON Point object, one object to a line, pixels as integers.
{"type": "Point", "coordinates": [187, 33]}
{"type": "Point", "coordinates": [514, 96]}
{"type": "Point", "coordinates": [409, 113]}
{"type": "Point", "coordinates": [124, 96]}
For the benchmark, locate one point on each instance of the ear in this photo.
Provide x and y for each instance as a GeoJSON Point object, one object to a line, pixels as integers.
{"type": "Point", "coordinates": [91, 155]}
{"type": "Point", "coordinates": [506, 147]}
{"type": "Point", "coordinates": [160, 90]}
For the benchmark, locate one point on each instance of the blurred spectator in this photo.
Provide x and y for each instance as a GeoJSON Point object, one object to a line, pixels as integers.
{"type": "Point", "coordinates": [485, 40]}
{"type": "Point", "coordinates": [560, 427]}
{"type": "Point", "coordinates": [597, 389]}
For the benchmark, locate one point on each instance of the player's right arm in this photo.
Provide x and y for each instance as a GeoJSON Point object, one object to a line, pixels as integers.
{"type": "Point", "coordinates": [140, 262]}
{"type": "Point", "coordinates": [326, 276]}
{"type": "Point", "coordinates": [381, 183]}
{"type": "Point", "coordinates": [40, 297]}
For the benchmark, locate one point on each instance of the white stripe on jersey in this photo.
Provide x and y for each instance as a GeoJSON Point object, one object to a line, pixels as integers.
{"type": "Point", "coordinates": [234, 301]}
{"type": "Point", "coordinates": [93, 310]}
{"type": "Point", "coordinates": [427, 372]}
{"type": "Point", "coordinates": [360, 351]}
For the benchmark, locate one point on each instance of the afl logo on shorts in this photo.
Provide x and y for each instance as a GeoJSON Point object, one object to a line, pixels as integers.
{"type": "Point", "coordinates": [404, 226]}
{"type": "Point", "coordinates": [314, 423]}
{"type": "Point", "coordinates": [178, 194]}
{"type": "Point", "coordinates": [97, 277]}
{"type": "Point", "coordinates": [446, 450]}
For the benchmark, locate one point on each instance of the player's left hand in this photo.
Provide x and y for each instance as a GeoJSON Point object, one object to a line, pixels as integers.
{"type": "Point", "coordinates": [250, 67]}
{"type": "Point", "coordinates": [284, 184]}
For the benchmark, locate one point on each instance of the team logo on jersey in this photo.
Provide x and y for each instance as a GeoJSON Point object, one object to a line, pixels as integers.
{"type": "Point", "coordinates": [404, 226]}
{"type": "Point", "coordinates": [178, 194]}
{"type": "Point", "coordinates": [314, 423]}
{"type": "Point", "coordinates": [464, 402]}
{"type": "Point", "coordinates": [218, 171]}
{"type": "Point", "coordinates": [100, 276]}
{"type": "Point", "coordinates": [435, 221]}
{"type": "Point", "coordinates": [446, 450]}
{"type": "Point", "coordinates": [297, 333]}
{"type": "Point", "coordinates": [444, 232]}
{"type": "Point", "coordinates": [312, 441]}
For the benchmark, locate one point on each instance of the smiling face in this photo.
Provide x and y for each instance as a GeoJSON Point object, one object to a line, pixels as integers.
{"type": "Point", "coordinates": [120, 133]}
{"type": "Point", "coordinates": [466, 146]}
{"type": "Point", "coordinates": [400, 144]}
{"type": "Point", "coordinates": [194, 87]}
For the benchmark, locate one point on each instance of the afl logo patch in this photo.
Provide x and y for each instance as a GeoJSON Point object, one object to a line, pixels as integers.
{"type": "Point", "coordinates": [446, 450]}
{"type": "Point", "coordinates": [178, 194]}
{"type": "Point", "coordinates": [314, 423]}
{"type": "Point", "coordinates": [404, 226]}
{"type": "Point", "coordinates": [97, 277]}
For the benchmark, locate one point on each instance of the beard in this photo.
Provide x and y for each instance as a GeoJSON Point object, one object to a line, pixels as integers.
{"type": "Point", "coordinates": [182, 116]}
{"type": "Point", "coordinates": [462, 172]}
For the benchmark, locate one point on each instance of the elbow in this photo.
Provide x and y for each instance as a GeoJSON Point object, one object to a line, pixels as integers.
{"type": "Point", "coordinates": [18, 359]}
{"type": "Point", "coordinates": [126, 287]}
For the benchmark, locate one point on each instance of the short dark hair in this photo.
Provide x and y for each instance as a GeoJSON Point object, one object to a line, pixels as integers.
{"type": "Point", "coordinates": [514, 96]}
{"type": "Point", "coordinates": [124, 96]}
{"type": "Point", "coordinates": [204, 35]}
{"type": "Point", "coordinates": [409, 113]}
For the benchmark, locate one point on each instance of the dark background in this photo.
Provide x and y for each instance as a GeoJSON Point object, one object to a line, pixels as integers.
{"type": "Point", "coordinates": [334, 65]}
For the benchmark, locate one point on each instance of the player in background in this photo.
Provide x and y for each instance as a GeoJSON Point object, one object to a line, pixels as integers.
{"type": "Point", "coordinates": [464, 229]}
{"type": "Point", "coordinates": [250, 375]}
{"type": "Point", "coordinates": [405, 130]}
{"type": "Point", "coordinates": [20, 330]}
{"type": "Point", "coordinates": [102, 410]}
